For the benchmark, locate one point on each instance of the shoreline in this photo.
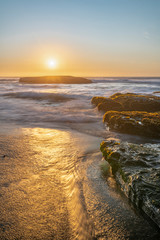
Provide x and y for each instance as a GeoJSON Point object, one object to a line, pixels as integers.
{"type": "Point", "coordinates": [84, 186]}
{"type": "Point", "coordinates": [135, 167]}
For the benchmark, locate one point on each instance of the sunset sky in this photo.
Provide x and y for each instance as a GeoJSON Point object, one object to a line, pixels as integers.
{"type": "Point", "coordinates": [80, 37]}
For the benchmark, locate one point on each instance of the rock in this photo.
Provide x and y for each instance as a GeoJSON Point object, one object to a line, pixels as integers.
{"type": "Point", "coordinates": [131, 113]}
{"type": "Point", "coordinates": [96, 100]}
{"type": "Point", "coordinates": [136, 169]}
{"type": "Point", "coordinates": [108, 105]}
{"type": "Point", "coordinates": [137, 102]}
{"type": "Point", "coordinates": [54, 80]}
{"type": "Point", "coordinates": [133, 122]}
{"type": "Point", "coordinates": [128, 102]}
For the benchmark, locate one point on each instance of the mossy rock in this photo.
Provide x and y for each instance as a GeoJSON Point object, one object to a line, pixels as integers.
{"type": "Point", "coordinates": [133, 122]}
{"type": "Point", "coordinates": [109, 104]}
{"type": "Point", "coordinates": [137, 102]}
{"type": "Point", "coordinates": [97, 100]}
{"type": "Point", "coordinates": [128, 102]}
{"type": "Point", "coordinates": [136, 169]}
{"type": "Point", "coordinates": [131, 113]}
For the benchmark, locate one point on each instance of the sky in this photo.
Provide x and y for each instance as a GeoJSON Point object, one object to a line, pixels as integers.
{"type": "Point", "coordinates": [80, 37]}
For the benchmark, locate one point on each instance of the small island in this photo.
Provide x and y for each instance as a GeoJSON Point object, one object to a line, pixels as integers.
{"type": "Point", "coordinates": [54, 80]}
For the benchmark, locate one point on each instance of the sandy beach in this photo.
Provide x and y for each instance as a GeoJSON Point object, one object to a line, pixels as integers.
{"type": "Point", "coordinates": [51, 187]}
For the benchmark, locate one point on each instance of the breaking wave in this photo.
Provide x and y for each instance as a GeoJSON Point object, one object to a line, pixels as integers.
{"type": "Point", "coordinates": [41, 96]}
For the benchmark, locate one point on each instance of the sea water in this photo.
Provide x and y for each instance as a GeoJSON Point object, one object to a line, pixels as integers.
{"type": "Point", "coordinates": [51, 184]}
{"type": "Point", "coordinates": [62, 103]}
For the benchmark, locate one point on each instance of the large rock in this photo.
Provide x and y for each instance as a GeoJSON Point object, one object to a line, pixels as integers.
{"type": "Point", "coordinates": [133, 122]}
{"type": "Point", "coordinates": [137, 102]}
{"type": "Point", "coordinates": [96, 100]}
{"type": "Point", "coordinates": [128, 102]}
{"type": "Point", "coordinates": [137, 171]}
{"type": "Point", "coordinates": [54, 80]}
{"type": "Point", "coordinates": [106, 104]}
{"type": "Point", "coordinates": [131, 113]}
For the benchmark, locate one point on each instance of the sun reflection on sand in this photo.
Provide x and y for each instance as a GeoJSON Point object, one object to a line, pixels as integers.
{"type": "Point", "coordinates": [43, 190]}
{"type": "Point", "coordinates": [59, 151]}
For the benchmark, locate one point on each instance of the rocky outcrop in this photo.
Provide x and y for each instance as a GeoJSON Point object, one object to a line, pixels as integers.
{"type": "Point", "coordinates": [128, 102]}
{"type": "Point", "coordinates": [55, 80]}
{"type": "Point", "coordinates": [106, 104]}
{"type": "Point", "coordinates": [131, 113]}
{"type": "Point", "coordinates": [136, 168]}
{"type": "Point", "coordinates": [137, 171]}
{"type": "Point", "coordinates": [140, 123]}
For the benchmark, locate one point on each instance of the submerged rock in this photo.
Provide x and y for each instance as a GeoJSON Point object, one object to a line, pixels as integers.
{"type": "Point", "coordinates": [137, 171]}
{"type": "Point", "coordinates": [54, 80]}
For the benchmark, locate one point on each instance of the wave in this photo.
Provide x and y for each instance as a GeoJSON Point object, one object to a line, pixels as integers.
{"type": "Point", "coordinates": [135, 80]}
{"type": "Point", "coordinates": [51, 97]}
{"type": "Point", "coordinates": [8, 80]}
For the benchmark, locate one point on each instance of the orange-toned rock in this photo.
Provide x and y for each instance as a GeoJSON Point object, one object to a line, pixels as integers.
{"type": "Point", "coordinates": [134, 122]}
{"type": "Point", "coordinates": [128, 102]}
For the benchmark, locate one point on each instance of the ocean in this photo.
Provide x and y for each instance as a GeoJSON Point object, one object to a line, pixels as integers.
{"type": "Point", "coordinates": [49, 105]}
{"type": "Point", "coordinates": [51, 184]}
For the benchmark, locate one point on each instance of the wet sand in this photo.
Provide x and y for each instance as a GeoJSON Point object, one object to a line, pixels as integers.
{"type": "Point", "coordinates": [51, 187]}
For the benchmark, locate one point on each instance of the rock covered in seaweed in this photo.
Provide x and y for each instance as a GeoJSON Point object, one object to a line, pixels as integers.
{"type": "Point", "coordinates": [131, 113]}
{"type": "Point", "coordinates": [137, 171]}
{"type": "Point", "coordinates": [141, 123]}
{"type": "Point", "coordinates": [128, 102]}
{"type": "Point", "coordinates": [106, 104]}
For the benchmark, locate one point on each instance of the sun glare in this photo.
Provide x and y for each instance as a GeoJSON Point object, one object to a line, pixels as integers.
{"type": "Point", "coordinates": [52, 63]}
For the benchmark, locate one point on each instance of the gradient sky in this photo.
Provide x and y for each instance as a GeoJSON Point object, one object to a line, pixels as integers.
{"type": "Point", "coordinates": [86, 37]}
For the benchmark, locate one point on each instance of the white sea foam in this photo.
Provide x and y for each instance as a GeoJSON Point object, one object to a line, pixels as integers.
{"type": "Point", "coordinates": [65, 104]}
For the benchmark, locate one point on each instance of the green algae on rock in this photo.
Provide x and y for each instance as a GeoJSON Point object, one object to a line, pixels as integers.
{"type": "Point", "coordinates": [137, 102]}
{"type": "Point", "coordinates": [55, 80]}
{"type": "Point", "coordinates": [134, 122]}
{"type": "Point", "coordinates": [106, 104]}
{"type": "Point", "coordinates": [137, 170]}
{"type": "Point", "coordinates": [131, 113]}
{"type": "Point", "coordinates": [128, 102]}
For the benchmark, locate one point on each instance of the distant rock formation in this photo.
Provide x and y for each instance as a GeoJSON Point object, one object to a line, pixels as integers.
{"type": "Point", "coordinates": [136, 169]}
{"type": "Point", "coordinates": [55, 80]}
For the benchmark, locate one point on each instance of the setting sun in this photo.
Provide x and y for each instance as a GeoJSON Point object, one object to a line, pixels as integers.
{"type": "Point", "coordinates": [52, 63]}
{"type": "Point", "coordinates": [79, 119]}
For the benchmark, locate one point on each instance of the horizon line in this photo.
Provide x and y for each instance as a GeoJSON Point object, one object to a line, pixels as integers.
{"type": "Point", "coordinates": [133, 76]}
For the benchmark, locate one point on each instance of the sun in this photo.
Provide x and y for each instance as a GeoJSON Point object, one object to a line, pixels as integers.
{"type": "Point", "coordinates": [51, 63]}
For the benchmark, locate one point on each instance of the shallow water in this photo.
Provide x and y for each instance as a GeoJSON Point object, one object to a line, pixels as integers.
{"type": "Point", "coordinates": [64, 103]}
{"type": "Point", "coordinates": [51, 184]}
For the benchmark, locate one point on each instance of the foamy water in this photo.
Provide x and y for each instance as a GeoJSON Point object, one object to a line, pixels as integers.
{"type": "Point", "coordinates": [51, 185]}
{"type": "Point", "coordinates": [63, 103]}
